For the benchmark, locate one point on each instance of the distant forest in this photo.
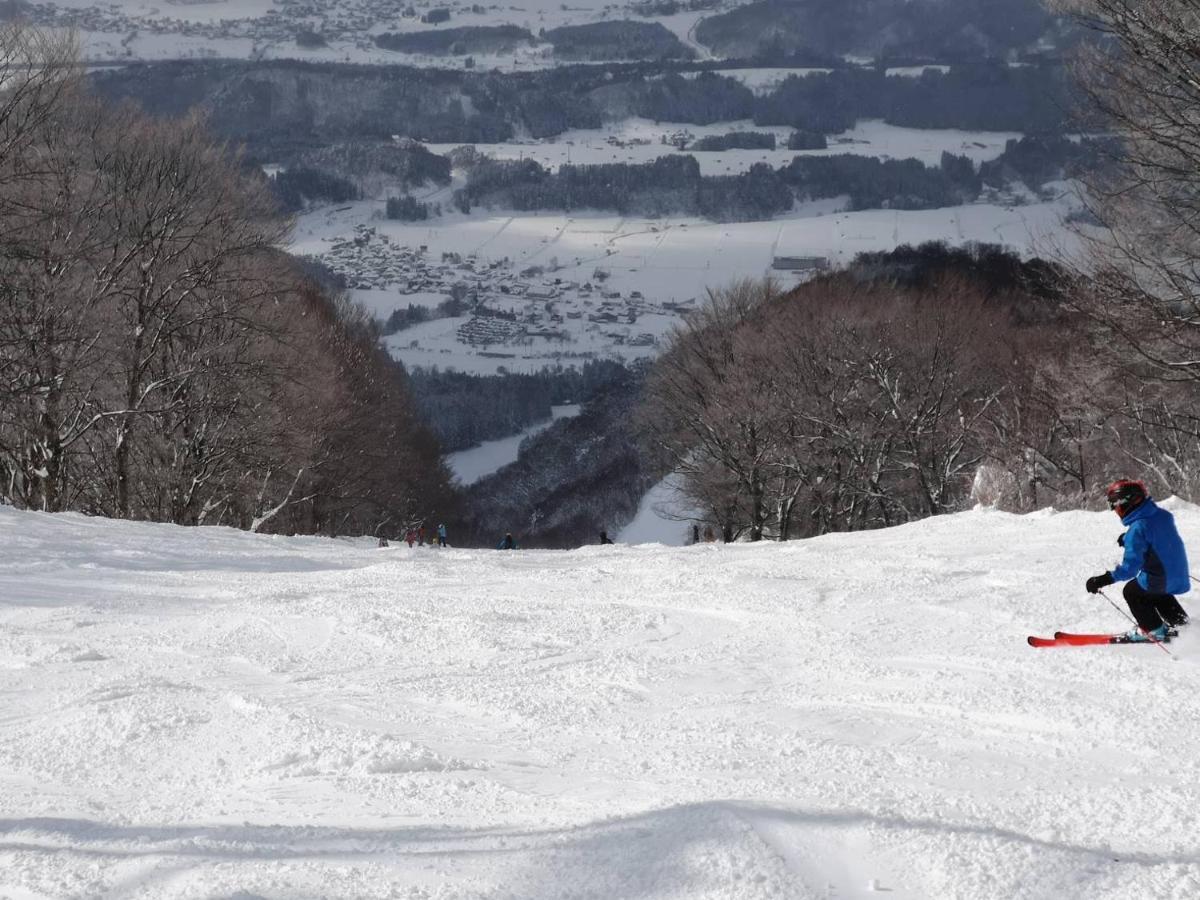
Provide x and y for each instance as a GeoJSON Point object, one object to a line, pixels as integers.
{"type": "Point", "coordinates": [282, 109]}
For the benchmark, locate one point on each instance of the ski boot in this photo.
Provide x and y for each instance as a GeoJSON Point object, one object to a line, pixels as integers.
{"type": "Point", "coordinates": [1161, 635]}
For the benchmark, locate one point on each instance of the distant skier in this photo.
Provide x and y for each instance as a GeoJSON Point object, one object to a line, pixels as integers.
{"type": "Point", "coordinates": [604, 538]}
{"type": "Point", "coordinates": [421, 536]}
{"type": "Point", "coordinates": [441, 535]}
{"type": "Point", "coordinates": [1155, 560]}
{"type": "Point", "coordinates": [507, 543]}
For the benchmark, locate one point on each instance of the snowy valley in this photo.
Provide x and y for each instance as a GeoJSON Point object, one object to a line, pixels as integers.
{"type": "Point", "coordinates": [560, 289]}
{"type": "Point", "coordinates": [207, 713]}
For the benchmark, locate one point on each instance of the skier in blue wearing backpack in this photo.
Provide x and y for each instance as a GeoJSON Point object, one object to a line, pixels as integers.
{"type": "Point", "coordinates": [1155, 554]}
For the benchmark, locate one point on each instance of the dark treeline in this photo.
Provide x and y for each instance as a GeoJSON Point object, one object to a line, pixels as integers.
{"type": "Point", "coordinates": [735, 140]}
{"type": "Point", "coordinates": [670, 7]}
{"type": "Point", "coordinates": [406, 163]}
{"type": "Point", "coordinates": [298, 188]}
{"type": "Point", "coordinates": [579, 476]}
{"type": "Point", "coordinates": [1037, 159]}
{"type": "Point", "coordinates": [464, 410]}
{"type": "Point", "coordinates": [282, 108]}
{"type": "Point", "coordinates": [408, 316]}
{"type": "Point", "coordinates": [621, 39]}
{"type": "Point", "coordinates": [807, 140]}
{"type": "Point", "coordinates": [406, 209]}
{"type": "Point", "coordinates": [872, 183]}
{"type": "Point", "coordinates": [457, 41]}
{"type": "Point", "coordinates": [705, 99]}
{"type": "Point", "coordinates": [160, 359]}
{"type": "Point", "coordinates": [673, 185]}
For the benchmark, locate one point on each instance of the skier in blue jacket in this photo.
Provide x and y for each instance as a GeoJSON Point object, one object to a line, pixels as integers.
{"type": "Point", "coordinates": [1155, 554]}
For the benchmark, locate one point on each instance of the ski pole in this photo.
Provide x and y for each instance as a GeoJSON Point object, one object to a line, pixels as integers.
{"type": "Point", "coordinates": [1161, 645]}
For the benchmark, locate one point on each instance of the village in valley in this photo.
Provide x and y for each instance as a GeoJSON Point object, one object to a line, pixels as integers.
{"type": "Point", "coordinates": [502, 310]}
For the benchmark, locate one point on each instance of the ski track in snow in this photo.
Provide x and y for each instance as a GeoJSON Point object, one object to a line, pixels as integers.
{"type": "Point", "coordinates": [194, 713]}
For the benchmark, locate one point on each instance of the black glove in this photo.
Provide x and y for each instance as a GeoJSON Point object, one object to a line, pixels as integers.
{"type": "Point", "coordinates": [1096, 582]}
{"type": "Point", "coordinates": [1121, 539]}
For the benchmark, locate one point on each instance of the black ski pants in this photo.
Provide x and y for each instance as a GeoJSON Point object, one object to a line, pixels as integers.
{"type": "Point", "coordinates": [1151, 610]}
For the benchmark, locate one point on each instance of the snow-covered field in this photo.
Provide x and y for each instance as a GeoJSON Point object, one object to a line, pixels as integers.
{"type": "Point", "coordinates": [637, 141]}
{"type": "Point", "coordinates": [203, 713]}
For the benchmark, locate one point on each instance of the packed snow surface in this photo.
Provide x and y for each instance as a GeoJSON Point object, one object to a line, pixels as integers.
{"type": "Point", "coordinates": [197, 713]}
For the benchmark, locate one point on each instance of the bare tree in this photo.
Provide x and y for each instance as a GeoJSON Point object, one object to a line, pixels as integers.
{"type": "Point", "coordinates": [702, 412]}
{"type": "Point", "coordinates": [864, 403]}
{"type": "Point", "coordinates": [1139, 281]}
{"type": "Point", "coordinates": [39, 71]}
{"type": "Point", "coordinates": [50, 322]}
{"type": "Point", "coordinates": [160, 357]}
{"type": "Point", "coordinates": [183, 274]}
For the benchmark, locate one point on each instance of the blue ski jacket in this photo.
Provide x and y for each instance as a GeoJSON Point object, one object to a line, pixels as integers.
{"type": "Point", "coordinates": [1154, 551]}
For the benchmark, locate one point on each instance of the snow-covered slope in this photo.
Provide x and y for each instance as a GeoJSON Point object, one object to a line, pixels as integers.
{"type": "Point", "coordinates": [204, 713]}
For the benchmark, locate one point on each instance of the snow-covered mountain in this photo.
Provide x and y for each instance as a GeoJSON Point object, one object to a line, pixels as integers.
{"type": "Point", "coordinates": [206, 713]}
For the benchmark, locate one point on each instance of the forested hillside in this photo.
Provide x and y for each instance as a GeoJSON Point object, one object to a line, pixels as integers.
{"type": "Point", "coordinates": [874, 396]}
{"type": "Point", "coordinates": [925, 29]}
{"type": "Point", "coordinates": [578, 477]}
{"type": "Point", "coordinates": [282, 109]}
{"type": "Point", "coordinates": [160, 358]}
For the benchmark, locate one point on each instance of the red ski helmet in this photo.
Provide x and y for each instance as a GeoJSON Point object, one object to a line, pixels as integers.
{"type": "Point", "coordinates": [1125, 495]}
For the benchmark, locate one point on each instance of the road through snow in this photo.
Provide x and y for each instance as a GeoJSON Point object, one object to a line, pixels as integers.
{"type": "Point", "coordinates": [201, 713]}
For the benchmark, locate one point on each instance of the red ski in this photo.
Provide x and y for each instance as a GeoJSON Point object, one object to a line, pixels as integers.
{"type": "Point", "coordinates": [1068, 639]}
{"type": "Point", "coordinates": [1095, 638]}
{"type": "Point", "coordinates": [1035, 641]}
{"type": "Point", "coordinates": [1082, 640]}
